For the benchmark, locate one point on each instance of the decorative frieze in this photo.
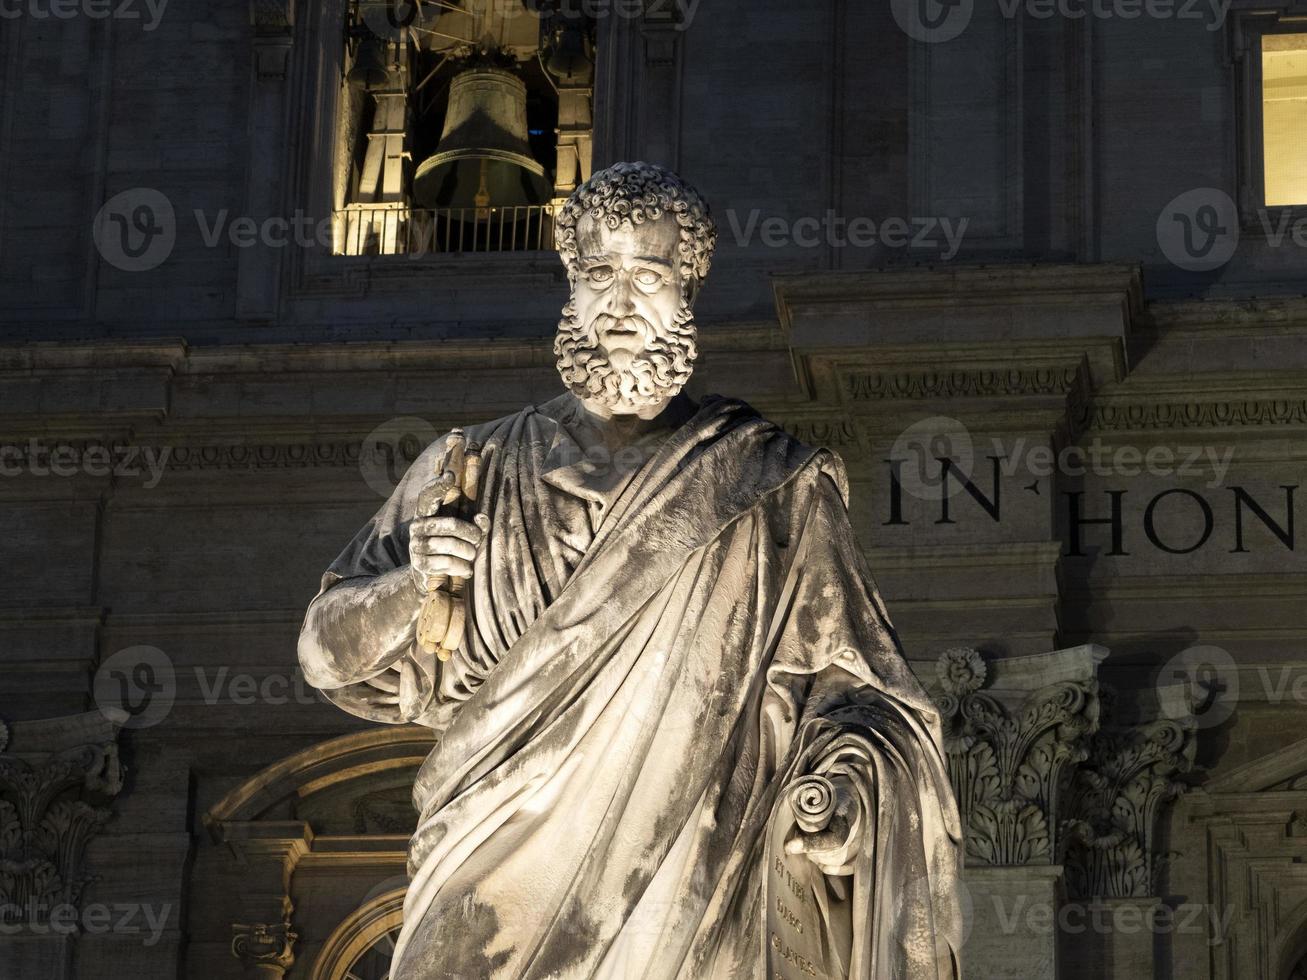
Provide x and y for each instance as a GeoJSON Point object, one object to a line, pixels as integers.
{"type": "Point", "coordinates": [963, 383]}
{"type": "Point", "coordinates": [821, 432]}
{"type": "Point", "coordinates": [1172, 415]}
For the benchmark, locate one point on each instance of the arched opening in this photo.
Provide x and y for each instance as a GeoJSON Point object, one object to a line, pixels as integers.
{"type": "Point", "coordinates": [361, 947]}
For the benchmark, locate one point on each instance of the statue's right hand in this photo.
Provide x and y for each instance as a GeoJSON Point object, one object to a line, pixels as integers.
{"type": "Point", "coordinates": [444, 546]}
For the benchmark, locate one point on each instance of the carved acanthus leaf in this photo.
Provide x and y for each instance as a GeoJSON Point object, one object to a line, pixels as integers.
{"type": "Point", "coordinates": [1009, 763]}
{"type": "Point", "coordinates": [48, 814]}
{"type": "Point", "coordinates": [1116, 803]}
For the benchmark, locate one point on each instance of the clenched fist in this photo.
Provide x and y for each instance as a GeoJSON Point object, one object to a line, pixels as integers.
{"type": "Point", "coordinates": [439, 546]}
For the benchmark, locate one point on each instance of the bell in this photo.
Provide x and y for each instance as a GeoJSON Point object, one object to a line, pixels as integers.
{"type": "Point", "coordinates": [483, 158]}
{"type": "Point", "coordinates": [570, 61]}
{"type": "Point", "coordinates": [372, 64]}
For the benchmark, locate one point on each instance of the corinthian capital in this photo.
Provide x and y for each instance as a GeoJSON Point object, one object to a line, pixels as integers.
{"type": "Point", "coordinates": [1013, 731]}
{"type": "Point", "coordinates": [1118, 794]}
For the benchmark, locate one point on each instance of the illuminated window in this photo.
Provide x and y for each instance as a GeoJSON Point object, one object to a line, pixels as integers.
{"type": "Point", "coordinates": [463, 124]}
{"type": "Point", "coordinates": [1284, 118]}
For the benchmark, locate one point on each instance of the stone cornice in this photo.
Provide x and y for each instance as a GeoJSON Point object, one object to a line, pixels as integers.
{"type": "Point", "coordinates": [962, 286]}
{"type": "Point", "coordinates": [1261, 315]}
{"type": "Point", "coordinates": [1085, 309]}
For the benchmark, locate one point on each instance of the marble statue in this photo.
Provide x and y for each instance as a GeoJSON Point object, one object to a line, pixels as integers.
{"type": "Point", "coordinates": [676, 737]}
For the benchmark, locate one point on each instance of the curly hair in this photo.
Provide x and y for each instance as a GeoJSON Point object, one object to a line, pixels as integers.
{"type": "Point", "coordinates": [635, 193]}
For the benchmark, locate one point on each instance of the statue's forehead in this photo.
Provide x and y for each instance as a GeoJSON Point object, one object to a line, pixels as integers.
{"type": "Point", "coordinates": [660, 237]}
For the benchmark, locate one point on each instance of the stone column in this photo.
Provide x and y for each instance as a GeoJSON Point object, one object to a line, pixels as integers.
{"type": "Point", "coordinates": [57, 779]}
{"type": "Point", "coordinates": [266, 951]}
{"type": "Point", "coordinates": [1060, 785]}
{"type": "Point", "coordinates": [1011, 750]}
{"type": "Point", "coordinates": [637, 87]}
{"type": "Point", "coordinates": [662, 32]}
{"type": "Point", "coordinates": [259, 266]}
{"type": "Point", "coordinates": [1115, 804]}
{"type": "Point", "coordinates": [268, 853]}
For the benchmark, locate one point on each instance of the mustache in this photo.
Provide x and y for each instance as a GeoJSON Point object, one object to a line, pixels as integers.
{"type": "Point", "coordinates": [607, 323]}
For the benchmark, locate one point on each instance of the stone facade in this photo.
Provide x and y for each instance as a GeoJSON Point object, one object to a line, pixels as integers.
{"type": "Point", "coordinates": [1075, 464]}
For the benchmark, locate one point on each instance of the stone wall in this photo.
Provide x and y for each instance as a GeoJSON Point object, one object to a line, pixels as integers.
{"type": "Point", "coordinates": [184, 448]}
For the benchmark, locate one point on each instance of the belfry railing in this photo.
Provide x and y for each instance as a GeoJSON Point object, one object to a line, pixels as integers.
{"type": "Point", "coordinates": [394, 229]}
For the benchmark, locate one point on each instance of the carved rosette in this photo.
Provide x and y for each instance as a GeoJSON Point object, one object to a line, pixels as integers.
{"type": "Point", "coordinates": [1117, 798]}
{"type": "Point", "coordinates": [1011, 757]}
{"type": "Point", "coordinates": [49, 811]}
{"type": "Point", "coordinates": [264, 949]}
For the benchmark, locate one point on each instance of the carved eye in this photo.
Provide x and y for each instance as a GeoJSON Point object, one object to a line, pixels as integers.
{"type": "Point", "coordinates": [600, 275]}
{"type": "Point", "coordinates": [648, 278]}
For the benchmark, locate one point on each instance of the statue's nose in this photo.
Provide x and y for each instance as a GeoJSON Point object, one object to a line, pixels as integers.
{"type": "Point", "coordinates": [622, 303]}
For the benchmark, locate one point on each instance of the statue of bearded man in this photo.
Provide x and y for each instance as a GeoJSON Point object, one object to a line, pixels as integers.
{"type": "Point", "coordinates": [676, 737]}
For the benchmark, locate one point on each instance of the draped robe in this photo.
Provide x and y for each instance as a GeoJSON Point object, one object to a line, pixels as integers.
{"type": "Point", "coordinates": [639, 684]}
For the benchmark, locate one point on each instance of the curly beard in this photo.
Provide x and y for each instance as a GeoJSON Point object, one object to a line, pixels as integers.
{"type": "Point", "coordinates": [652, 376]}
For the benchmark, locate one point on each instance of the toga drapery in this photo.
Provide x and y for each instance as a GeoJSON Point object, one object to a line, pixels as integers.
{"type": "Point", "coordinates": [639, 683]}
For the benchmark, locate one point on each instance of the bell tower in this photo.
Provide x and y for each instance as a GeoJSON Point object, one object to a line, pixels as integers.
{"type": "Point", "coordinates": [467, 122]}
